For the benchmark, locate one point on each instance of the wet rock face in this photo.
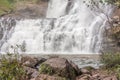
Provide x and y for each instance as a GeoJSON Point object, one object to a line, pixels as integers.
{"type": "Point", "coordinates": [112, 39]}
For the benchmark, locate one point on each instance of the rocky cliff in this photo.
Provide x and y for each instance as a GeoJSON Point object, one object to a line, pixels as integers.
{"type": "Point", "coordinates": [27, 9]}
{"type": "Point", "coordinates": [112, 38]}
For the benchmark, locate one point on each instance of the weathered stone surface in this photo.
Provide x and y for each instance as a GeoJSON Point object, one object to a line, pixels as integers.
{"type": "Point", "coordinates": [88, 68]}
{"type": "Point", "coordinates": [112, 32]}
{"type": "Point", "coordinates": [31, 62]}
{"type": "Point", "coordinates": [32, 73]}
{"type": "Point", "coordinates": [85, 71]}
{"type": "Point", "coordinates": [110, 78]}
{"type": "Point", "coordinates": [48, 77]}
{"type": "Point", "coordinates": [84, 77]}
{"type": "Point", "coordinates": [29, 9]}
{"type": "Point", "coordinates": [28, 61]}
{"type": "Point", "coordinates": [60, 67]}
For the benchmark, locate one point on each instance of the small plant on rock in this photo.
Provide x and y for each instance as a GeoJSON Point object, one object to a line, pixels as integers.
{"type": "Point", "coordinates": [45, 69]}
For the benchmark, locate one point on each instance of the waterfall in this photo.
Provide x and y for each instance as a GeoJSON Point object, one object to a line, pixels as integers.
{"type": "Point", "coordinates": [69, 27]}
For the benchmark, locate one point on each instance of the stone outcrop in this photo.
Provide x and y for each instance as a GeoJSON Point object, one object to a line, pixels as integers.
{"type": "Point", "coordinates": [112, 39]}
{"type": "Point", "coordinates": [29, 9]}
{"type": "Point", "coordinates": [57, 68]}
{"type": "Point", "coordinates": [31, 62]}
{"type": "Point", "coordinates": [60, 67]}
{"type": "Point", "coordinates": [48, 77]}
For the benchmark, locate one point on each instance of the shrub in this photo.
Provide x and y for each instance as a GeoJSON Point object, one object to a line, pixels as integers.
{"type": "Point", "coordinates": [110, 60]}
{"type": "Point", "coordinates": [6, 7]}
{"type": "Point", "coordinates": [10, 68]}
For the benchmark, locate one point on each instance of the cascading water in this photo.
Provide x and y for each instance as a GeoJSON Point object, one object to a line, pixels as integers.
{"type": "Point", "coordinates": [70, 27]}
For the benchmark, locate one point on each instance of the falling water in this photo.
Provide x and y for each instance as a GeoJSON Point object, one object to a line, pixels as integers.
{"type": "Point", "coordinates": [70, 27]}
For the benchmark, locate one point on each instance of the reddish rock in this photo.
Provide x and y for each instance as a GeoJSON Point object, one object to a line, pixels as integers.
{"type": "Point", "coordinates": [47, 77]}
{"type": "Point", "coordinates": [32, 73]}
{"type": "Point", "coordinates": [84, 77]}
{"type": "Point", "coordinates": [29, 9]}
{"type": "Point", "coordinates": [111, 78]}
{"type": "Point", "coordinates": [28, 61]}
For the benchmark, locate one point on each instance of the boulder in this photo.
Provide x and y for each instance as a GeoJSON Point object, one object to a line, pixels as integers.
{"type": "Point", "coordinates": [31, 62]}
{"type": "Point", "coordinates": [84, 77]}
{"type": "Point", "coordinates": [58, 66]}
{"type": "Point", "coordinates": [32, 73]}
{"type": "Point", "coordinates": [28, 61]}
{"type": "Point", "coordinates": [76, 68]}
{"type": "Point", "coordinates": [110, 78]}
{"type": "Point", "coordinates": [48, 77]}
{"type": "Point", "coordinates": [87, 70]}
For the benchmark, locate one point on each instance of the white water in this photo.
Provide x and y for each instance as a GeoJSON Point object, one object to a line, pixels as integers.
{"type": "Point", "coordinates": [77, 30]}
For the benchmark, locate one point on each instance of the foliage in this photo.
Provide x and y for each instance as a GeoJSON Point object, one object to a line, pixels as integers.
{"type": "Point", "coordinates": [115, 2]}
{"type": "Point", "coordinates": [45, 69]}
{"type": "Point", "coordinates": [110, 60]}
{"type": "Point", "coordinates": [6, 6]}
{"type": "Point", "coordinates": [10, 68]}
{"type": "Point", "coordinates": [112, 63]}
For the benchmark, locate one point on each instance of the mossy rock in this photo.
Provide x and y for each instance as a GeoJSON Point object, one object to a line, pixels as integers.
{"type": "Point", "coordinates": [60, 68]}
{"type": "Point", "coordinates": [46, 69]}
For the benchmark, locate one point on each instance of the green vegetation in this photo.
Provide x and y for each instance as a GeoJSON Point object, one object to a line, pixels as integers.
{"type": "Point", "coordinates": [115, 2]}
{"type": "Point", "coordinates": [111, 62]}
{"type": "Point", "coordinates": [45, 69]}
{"type": "Point", "coordinates": [10, 68]}
{"type": "Point", "coordinates": [8, 6]}
{"type": "Point", "coordinates": [5, 6]}
{"type": "Point", "coordinates": [66, 74]}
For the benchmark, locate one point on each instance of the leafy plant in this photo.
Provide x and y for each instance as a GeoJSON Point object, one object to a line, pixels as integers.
{"type": "Point", "coordinates": [10, 68]}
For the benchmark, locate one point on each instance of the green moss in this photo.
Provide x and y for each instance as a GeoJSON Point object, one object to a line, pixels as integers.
{"type": "Point", "coordinates": [2, 12]}
{"type": "Point", "coordinates": [5, 6]}
{"type": "Point", "coordinates": [45, 69]}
